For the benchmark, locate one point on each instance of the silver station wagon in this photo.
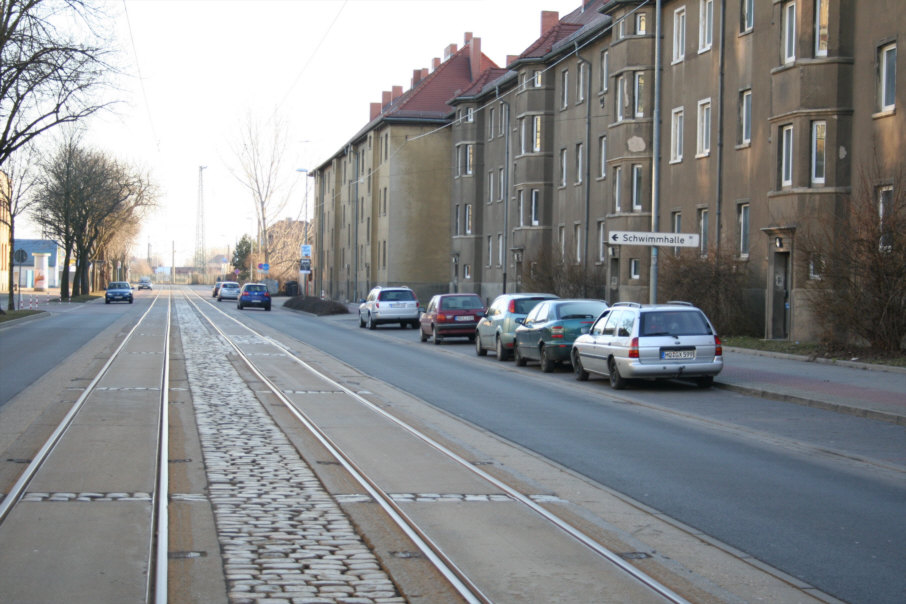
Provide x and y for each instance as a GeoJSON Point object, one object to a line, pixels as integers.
{"type": "Point", "coordinates": [630, 340]}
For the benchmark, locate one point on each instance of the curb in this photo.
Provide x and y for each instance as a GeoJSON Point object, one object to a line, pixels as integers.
{"type": "Point", "coordinates": [820, 360]}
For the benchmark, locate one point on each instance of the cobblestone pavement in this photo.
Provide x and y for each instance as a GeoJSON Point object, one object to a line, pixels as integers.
{"type": "Point", "coordinates": [283, 538]}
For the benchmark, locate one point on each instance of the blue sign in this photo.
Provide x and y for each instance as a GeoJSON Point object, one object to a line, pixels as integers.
{"type": "Point", "coordinates": [264, 266]}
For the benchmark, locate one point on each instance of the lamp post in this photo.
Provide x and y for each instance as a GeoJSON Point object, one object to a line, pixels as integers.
{"type": "Point", "coordinates": [307, 226]}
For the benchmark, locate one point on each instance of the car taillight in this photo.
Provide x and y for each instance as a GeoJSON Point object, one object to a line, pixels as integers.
{"type": "Point", "coordinates": [267, 294]}
{"type": "Point", "coordinates": [441, 317]}
{"type": "Point", "coordinates": [512, 307]}
{"type": "Point", "coordinates": [557, 332]}
{"type": "Point", "coordinates": [718, 348]}
{"type": "Point", "coordinates": [634, 349]}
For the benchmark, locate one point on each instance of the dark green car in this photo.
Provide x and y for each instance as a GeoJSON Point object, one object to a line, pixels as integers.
{"type": "Point", "coordinates": [548, 331]}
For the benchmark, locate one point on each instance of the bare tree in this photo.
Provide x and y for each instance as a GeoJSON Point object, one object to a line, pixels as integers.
{"type": "Point", "coordinates": [284, 241]}
{"type": "Point", "coordinates": [16, 198]}
{"type": "Point", "coordinates": [261, 153]}
{"type": "Point", "coordinates": [47, 77]}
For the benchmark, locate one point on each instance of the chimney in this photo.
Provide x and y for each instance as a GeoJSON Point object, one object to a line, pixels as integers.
{"type": "Point", "coordinates": [435, 63]}
{"type": "Point", "coordinates": [467, 39]}
{"type": "Point", "coordinates": [549, 18]}
{"type": "Point", "coordinates": [416, 77]}
{"type": "Point", "coordinates": [449, 51]}
{"type": "Point", "coordinates": [397, 92]}
{"type": "Point", "coordinates": [475, 57]}
{"type": "Point", "coordinates": [425, 72]}
{"type": "Point", "coordinates": [510, 59]}
{"type": "Point", "coordinates": [385, 98]}
{"type": "Point", "coordinates": [375, 110]}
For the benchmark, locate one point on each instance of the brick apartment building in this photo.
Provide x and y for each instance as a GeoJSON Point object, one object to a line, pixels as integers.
{"type": "Point", "coordinates": [749, 121]}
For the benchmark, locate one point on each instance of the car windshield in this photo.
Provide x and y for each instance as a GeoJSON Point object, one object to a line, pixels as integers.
{"type": "Point", "coordinates": [118, 285]}
{"type": "Point", "coordinates": [580, 310]}
{"type": "Point", "coordinates": [461, 303]}
{"type": "Point", "coordinates": [397, 295]}
{"type": "Point", "coordinates": [674, 323]}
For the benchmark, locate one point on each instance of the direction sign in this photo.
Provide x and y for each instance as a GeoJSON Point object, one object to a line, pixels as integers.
{"type": "Point", "coordinates": [306, 250]}
{"type": "Point", "coordinates": [650, 238]}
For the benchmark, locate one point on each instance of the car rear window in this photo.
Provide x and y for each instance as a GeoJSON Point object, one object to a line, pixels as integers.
{"type": "Point", "coordinates": [580, 310]}
{"type": "Point", "coordinates": [674, 323]}
{"type": "Point", "coordinates": [461, 303]}
{"type": "Point", "coordinates": [524, 306]}
{"type": "Point", "coordinates": [229, 284]}
{"type": "Point", "coordinates": [397, 295]}
{"type": "Point", "coordinates": [254, 288]}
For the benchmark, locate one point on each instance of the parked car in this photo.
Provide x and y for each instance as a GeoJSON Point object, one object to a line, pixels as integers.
{"type": "Point", "coordinates": [496, 330]}
{"type": "Point", "coordinates": [216, 289]}
{"type": "Point", "coordinates": [451, 316]}
{"type": "Point", "coordinates": [630, 340]}
{"type": "Point", "coordinates": [389, 305]}
{"type": "Point", "coordinates": [144, 283]}
{"type": "Point", "coordinates": [229, 290]}
{"type": "Point", "coordinates": [118, 291]}
{"type": "Point", "coordinates": [254, 294]}
{"type": "Point", "coordinates": [547, 333]}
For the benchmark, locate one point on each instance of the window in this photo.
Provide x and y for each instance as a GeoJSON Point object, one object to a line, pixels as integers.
{"type": "Point", "coordinates": [580, 83]}
{"type": "Point", "coordinates": [456, 220]}
{"type": "Point", "coordinates": [641, 24]}
{"type": "Point", "coordinates": [789, 32]}
{"type": "Point", "coordinates": [458, 161]}
{"type": "Point", "coordinates": [821, 31]}
{"type": "Point", "coordinates": [536, 133]}
{"type": "Point", "coordinates": [676, 135]}
{"type": "Point", "coordinates": [561, 234]}
{"type": "Point", "coordinates": [500, 252]}
{"type": "Point", "coordinates": [470, 115]}
{"type": "Point", "coordinates": [815, 267]}
{"type": "Point", "coordinates": [786, 156]}
{"type": "Point", "coordinates": [639, 100]}
{"type": "Point", "coordinates": [467, 271]}
{"type": "Point", "coordinates": [602, 240]}
{"type": "Point", "coordinates": [885, 209]}
{"type": "Point", "coordinates": [743, 225]}
{"type": "Point", "coordinates": [703, 145]}
{"type": "Point", "coordinates": [536, 209]}
{"type": "Point", "coordinates": [605, 59]}
{"type": "Point", "coordinates": [504, 115]}
{"type": "Point", "coordinates": [621, 95]}
{"type": "Point", "coordinates": [491, 123]}
{"type": "Point", "coordinates": [523, 141]}
{"type": "Point", "coordinates": [617, 173]}
{"type": "Point", "coordinates": [564, 88]}
{"type": "Point", "coordinates": [676, 220]}
{"type": "Point", "coordinates": [384, 201]}
{"type": "Point", "coordinates": [580, 162]}
{"type": "Point", "coordinates": [469, 159]}
{"type": "Point", "coordinates": [562, 167]}
{"type": "Point", "coordinates": [703, 232]}
{"type": "Point", "coordinates": [603, 149]}
{"type": "Point", "coordinates": [633, 268]}
{"type": "Point", "coordinates": [500, 190]}
{"type": "Point", "coordinates": [819, 138]}
{"type": "Point", "coordinates": [468, 219]}
{"type": "Point", "coordinates": [637, 187]}
{"type": "Point", "coordinates": [679, 35]}
{"type": "Point", "coordinates": [578, 237]}
{"type": "Point", "coordinates": [521, 207]}
{"type": "Point", "coordinates": [745, 117]}
{"type": "Point", "coordinates": [621, 28]}
{"type": "Point", "coordinates": [705, 25]}
{"type": "Point", "coordinates": [748, 15]}
{"type": "Point", "coordinates": [536, 78]}
{"type": "Point", "coordinates": [490, 250]}
{"type": "Point", "coordinates": [490, 186]}
{"type": "Point", "coordinates": [384, 254]}
{"type": "Point", "coordinates": [888, 73]}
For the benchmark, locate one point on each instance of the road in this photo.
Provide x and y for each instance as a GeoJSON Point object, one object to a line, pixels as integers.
{"type": "Point", "coordinates": [816, 494]}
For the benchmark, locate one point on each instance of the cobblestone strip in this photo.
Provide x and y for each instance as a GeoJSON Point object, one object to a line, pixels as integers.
{"type": "Point", "coordinates": [283, 538]}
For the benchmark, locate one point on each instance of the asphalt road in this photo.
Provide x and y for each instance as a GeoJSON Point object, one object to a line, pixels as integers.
{"type": "Point", "coordinates": [772, 479]}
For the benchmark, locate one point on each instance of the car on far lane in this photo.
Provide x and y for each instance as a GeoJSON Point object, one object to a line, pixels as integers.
{"type": "Point", "coordinates": [496, 330]}
{"type": "Point", "coordinates": [229, 290]}
{"type": "Point", "coordinates": [547, 333]}
{"type": "Point", "coordinates": [254, 294]}
{"type": "Point", "coordinates": [118, 291]}
{"type": "Point", "coordinates": [451, 316]}
{"type": "Point", "coordinates": [216, 289]}
{"type": "Point", "coordinates": [144, 283]}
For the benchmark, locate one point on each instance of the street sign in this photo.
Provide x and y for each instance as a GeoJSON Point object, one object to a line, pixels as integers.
{"type": "Point", "coordinates": [20, 256]}
{"type": "Point", "coordinates": [650, 238]}
{"type": "Point", "coordinates": [305, 266]}
{"type": "Point", "coordinates": [264, 266]}
{"type": "Point", "coordinates": [306, 250]}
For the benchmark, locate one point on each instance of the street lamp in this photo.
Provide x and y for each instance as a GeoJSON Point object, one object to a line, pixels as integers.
{"type": "Point", "coordinates": [307, 226]}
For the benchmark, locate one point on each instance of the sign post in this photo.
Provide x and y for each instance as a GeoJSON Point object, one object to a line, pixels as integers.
{"type": "Point", "coordinates": [305, 266]}
{"type": "Point", "coordinates": [649, 238]}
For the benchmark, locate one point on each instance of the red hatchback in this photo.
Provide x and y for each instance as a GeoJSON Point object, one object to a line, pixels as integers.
{"type": "Point", "coordinates": [451, 315]}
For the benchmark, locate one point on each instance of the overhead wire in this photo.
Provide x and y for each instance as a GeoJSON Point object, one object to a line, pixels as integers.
{"type": "Point", "coordinates": [141, 78]}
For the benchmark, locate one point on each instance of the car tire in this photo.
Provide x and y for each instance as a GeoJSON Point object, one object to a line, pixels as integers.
{"type": "Point", "coordinates": [437, 338]}
{"type": "Point", "coordinates": [479, 350]}
{"type": "Point", "coordinates": [547, 363]}
{"type": "Point", "coordinates": [268, 307]}
{"type": "Point", "coordinates": [416, 324]}
{"type": "Point", "coordinates": [705, 381]}
{"type": "Point", "coordinates": [106, 301]}
{"type": "Point", "coordinates": [219, 299]}
{"type": "Point", "coordinates": [130, 300]}
{"type": "Point", "coordinates": [502, 353]}
{"type": "Point", "coordinates": [371, 323]}
{"type": "Point", "coordinates": [361, 321]}
{"type": "Point", "coordinates": [520, 360]}
{"type": "Point", "coordinates": [617, 381]}
{"type": "Point", "coordinates": [239, 306]}
{"type": "Point", "coordinates": [422, 335]}
{"type": "Point", "coordinates": [578, 369]}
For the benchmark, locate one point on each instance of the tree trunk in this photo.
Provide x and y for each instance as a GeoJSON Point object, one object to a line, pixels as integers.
{"type": "Point", "coordinates": [11, 304]}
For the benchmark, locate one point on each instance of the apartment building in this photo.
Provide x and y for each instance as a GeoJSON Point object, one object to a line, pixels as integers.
{"type": "Point", "coordinates": [769, 114]}
{"type": "Point", "coordinates": [382, 199]}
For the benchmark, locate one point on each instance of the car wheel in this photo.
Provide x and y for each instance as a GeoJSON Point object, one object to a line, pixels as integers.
{"type": "Point", "coordinates": [106, 301]}
{"type": "Point", "coordinates": [520, 360]}
{"type": "Point", "coordinates": [705, 381]}
{"type": "Point", "coordinates": [361, 321]}
{"type": "Point", "coordinates": [579, 370]}
{"type": "Point", "coordinates": [371, 323]}
{"type": "Point", "coordinates": [130, 300]}
{"type": "Point", "coordinates": [416, 324]}
{"type": "Point", "coordinates": [422, 335]}
{"type": "Point", "coordinates": [617, 382]}
{"type": "Point", "coordinates": [547, 363]}
{"type": "Point", "coordinates": [219, 299]}
{"type": "Point", "coordinates": [437, 338]}
{"type": "Point", "coordinates": [478, 348]}
{"type": "Point", "coordinates": [502, 353]}
{"type": "Point", "coordinates": [268, 307]}
{"type": "Point", "coordinates": [239, 306]}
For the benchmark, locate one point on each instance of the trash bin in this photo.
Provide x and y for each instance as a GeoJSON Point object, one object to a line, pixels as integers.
{"type": "Point", "coordinates": [292, 288]}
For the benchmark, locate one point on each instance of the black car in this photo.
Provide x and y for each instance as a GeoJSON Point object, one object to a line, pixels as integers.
{"type": "Point", "coordinates": [118, 291]}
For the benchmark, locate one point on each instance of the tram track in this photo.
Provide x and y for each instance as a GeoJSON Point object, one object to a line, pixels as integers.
{"type": "Point", "coordinates": [431, 547]}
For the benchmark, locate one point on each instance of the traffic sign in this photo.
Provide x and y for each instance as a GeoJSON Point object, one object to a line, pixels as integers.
{"type": "Point", "coordinates": [20, 256]}
{"type": "Point", "coordinates": [306, 250]}
{"type": "Point", "coordinates": [305, 266]}
{"type": "Point", "coordinates": [651, 238]}
{"type": "Point", "coordinates": [264, 266]}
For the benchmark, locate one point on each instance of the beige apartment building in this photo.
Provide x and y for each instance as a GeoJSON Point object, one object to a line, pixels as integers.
{"type": "Point", "coordinates": [749, 122]}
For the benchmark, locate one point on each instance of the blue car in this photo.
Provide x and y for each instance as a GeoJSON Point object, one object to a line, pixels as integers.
{"type": "Point", "coordinates": [547, 333]}
{"type": "Point", "coordinates": [118, 291]}
{"type": "Point", "coordinates": [254, 294]}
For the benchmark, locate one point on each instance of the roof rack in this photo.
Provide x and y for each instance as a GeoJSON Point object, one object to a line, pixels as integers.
{"type": "Point", "coordinates": [680, 302]}
{"type": "Point", "coordinates": [632, 304]}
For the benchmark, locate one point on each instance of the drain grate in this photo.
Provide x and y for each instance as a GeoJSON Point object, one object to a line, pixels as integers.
{"type": "Point", "coordinates": [634, 555]}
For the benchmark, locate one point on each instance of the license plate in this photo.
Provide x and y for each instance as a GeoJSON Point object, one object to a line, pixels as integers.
{"type": "Point", "coordinates": [465, 318]}
{"type": "Point", "coordinates": [677, 354]}
{"type": "Point", "coordinates": [397, 305]}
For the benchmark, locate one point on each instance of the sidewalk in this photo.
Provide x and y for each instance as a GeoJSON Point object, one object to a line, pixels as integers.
{"type": "Point", "coordinates": [862, 389]}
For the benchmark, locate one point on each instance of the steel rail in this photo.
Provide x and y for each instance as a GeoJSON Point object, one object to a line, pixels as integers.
{"type": "Point", "coordinates": [157, 578]}
{"type": "Point", "coordinates": [574, 532]}
{"type": "Point", "coordinates": [456, 577]}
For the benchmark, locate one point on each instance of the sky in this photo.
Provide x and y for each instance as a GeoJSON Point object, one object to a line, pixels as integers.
{"type": "Point", "coordinates": [193, 70]}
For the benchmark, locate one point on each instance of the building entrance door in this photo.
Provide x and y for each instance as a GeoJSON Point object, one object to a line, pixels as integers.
{"type": "Point", "coordinates": [780, 309]}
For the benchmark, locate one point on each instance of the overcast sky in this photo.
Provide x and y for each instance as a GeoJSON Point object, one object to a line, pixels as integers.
{"type": "Point", "coordinates": [195, 69]}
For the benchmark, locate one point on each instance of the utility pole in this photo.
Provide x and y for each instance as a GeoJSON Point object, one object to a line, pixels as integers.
{"type": "Point", "coordinates": [200, 259]}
